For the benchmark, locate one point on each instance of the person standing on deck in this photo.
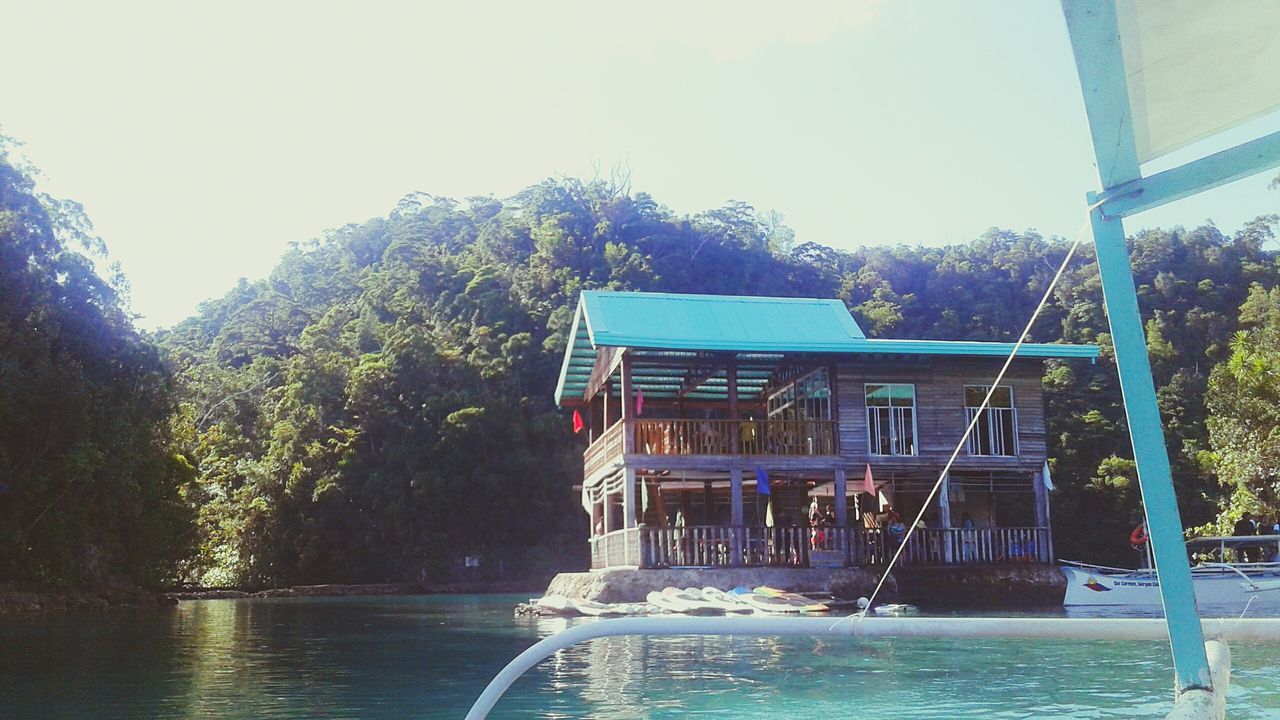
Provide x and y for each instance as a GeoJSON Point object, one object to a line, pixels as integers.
{"type": "Point", "coordinates": [1245, 526]}
{"type": "Point", "coordinates": [968, 552]}
{"type": "Point", "coordinates": [1271, 528]}
{"type": "Point", "coordinates": [896, 529]}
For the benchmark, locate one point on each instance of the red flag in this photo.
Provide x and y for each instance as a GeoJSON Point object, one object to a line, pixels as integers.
{"type": "Point", "coordinates": [868, 482]}
{"type": "Point", "coordinates": [577, 422]}
{"type": "Point", "coordinates": [639, 402]}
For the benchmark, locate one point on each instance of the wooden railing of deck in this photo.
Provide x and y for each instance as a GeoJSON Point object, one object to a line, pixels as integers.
{"type": "Point", "coordinates": [716, 437]}
{"type": "Point", "coordinates": [979, 546]}
{"type": "Point", "coordinates": [722, 545]}
{"type": "Point", "coordinates": [616, 548]}
{"type": "Point", "coordinates": [604, 449]}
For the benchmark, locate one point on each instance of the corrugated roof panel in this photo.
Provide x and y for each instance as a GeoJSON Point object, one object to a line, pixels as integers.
{"type": "Point", "coordinates": [666, 327]}
{"type": "Point", "coordinates": [718, 322]}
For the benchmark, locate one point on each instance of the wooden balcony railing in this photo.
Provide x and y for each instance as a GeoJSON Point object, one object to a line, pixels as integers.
{"type": "Point", "coordinates": [712, 437]}
{"type": "Point", "coordinates": [616, 549]}
{"type": "Point", "coordinates": [722, 545]}
{"type": "Point", "coordinates": [716, 437]}
{"type": "Point", "coordinates": [606, 448]}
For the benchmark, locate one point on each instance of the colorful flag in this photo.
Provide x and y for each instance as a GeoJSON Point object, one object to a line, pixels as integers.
{"type": "Point", "coordinates": [762, 481]}
{"type": "Point", "coordinates": [639, 402]}
{"type": "Point", "coordinates": [868, 482]}
{"type": "Point", "coordinates": [577, 422]}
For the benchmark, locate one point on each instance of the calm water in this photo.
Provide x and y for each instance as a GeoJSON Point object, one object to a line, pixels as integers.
{"type": "Point", "coordinates": [403, 657]}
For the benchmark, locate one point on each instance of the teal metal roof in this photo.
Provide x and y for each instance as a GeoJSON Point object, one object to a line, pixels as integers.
{"type": "Point", "coordinates": [717, 322]}
{"type": "Point", "coordinates": [672, 338]}
{"type": "Point", "coordinates": [973, 348]}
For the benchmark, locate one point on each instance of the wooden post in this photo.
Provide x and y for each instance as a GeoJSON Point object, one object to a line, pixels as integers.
{"type": "Point", "coordinates": [1042, 508]}
{"type": "Point", "coordinates": [944, 518]}
{"type": "Point", "coordinates": [604, 410]}
{"type": "Point", "coordinates": [628, 407]}
{"type": "Point", "coordinates": [629, 505]}
{"type": "Point", "coordinates": [707, 498]}
{"type": "Point", "coordinates": [735, 495]}
{"type": "Point", "coordinates": [731, 376]}
{"type": "Point", "coordinates": [628, 446]}
{"type": "Point", "coordinates": [834, 401]}
{"type": "Point", "coordinates": [607, 502]}
{"type": "Point", "coordinates": [944, 502]}
{"type": "Point", "coordinates": [841, 503]}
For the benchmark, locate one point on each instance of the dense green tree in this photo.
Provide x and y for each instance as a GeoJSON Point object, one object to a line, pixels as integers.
{"type": "Point", "coordinates": [381, 405]}
{"type": "Point", "coordinates": [1244, 406]}
{"type": "Point", "coordinates": [90, 487]}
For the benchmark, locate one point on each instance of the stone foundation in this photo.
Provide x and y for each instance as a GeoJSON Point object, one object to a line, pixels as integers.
{"type": "Point", "coordinates": [992, 587]}
{"type": "Point", "coordinates": [624, 585]}
{"type": "Point", "coordinates": [1007, 586]}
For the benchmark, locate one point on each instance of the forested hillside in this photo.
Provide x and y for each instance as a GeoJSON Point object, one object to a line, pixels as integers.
{"type": "Point", "coordinates": [381, 405]}
{"type": "Point", "coordinates": [89, 478]}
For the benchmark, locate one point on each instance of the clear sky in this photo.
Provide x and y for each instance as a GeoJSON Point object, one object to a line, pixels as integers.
{"type": "Point", "coordinates": [203, 138]}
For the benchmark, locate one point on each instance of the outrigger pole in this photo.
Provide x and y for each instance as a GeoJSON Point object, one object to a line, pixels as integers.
{"type": "Point", "coordinates": [1125, 134]}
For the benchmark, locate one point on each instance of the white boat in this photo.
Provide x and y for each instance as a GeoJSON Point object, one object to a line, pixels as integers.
{"type": "Point", "coordinates": [897, 610]}
{"type": "Point", "coordinates": [1219, 585]}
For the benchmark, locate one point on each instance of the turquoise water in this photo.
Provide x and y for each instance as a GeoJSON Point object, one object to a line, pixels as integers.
{"type": "Point", "coordinates": [428, 657]}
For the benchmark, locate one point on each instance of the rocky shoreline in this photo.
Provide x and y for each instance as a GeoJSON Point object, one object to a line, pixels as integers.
{"type": "Point", "coordinates": [16, 601]}
{"type": "Point", "coordinates": [34, 601]}
{"type": "Point", "coordinates": [626, 585]}
{"type": "Point", "coordinates": [990, 587]}
{"type": "Point", "coordinates": [478, 587]}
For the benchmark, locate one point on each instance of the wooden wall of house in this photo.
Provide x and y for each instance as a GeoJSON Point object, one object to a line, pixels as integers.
{"type": "Point", "coordinates": [940, 420]}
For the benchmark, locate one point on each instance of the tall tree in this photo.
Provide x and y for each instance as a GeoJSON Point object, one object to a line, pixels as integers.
{"type": "Point", "coordinates": [90, 488]}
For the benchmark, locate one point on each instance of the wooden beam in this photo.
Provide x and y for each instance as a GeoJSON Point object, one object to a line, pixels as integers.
{"type": "Point", "coordinates": [731, 375]}
{"type": "Point", "coordinates": [840, 500]}
{"type": "Point", "coordinates": [628, 407]}
{"type": "Point", "coordinates": [607, 360]}
{"type": "Point", "coordinates": [694, 381]}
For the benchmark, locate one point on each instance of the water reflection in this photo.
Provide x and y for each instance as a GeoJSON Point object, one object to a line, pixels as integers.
{"type": "Point", "coordinates": [430, 657]}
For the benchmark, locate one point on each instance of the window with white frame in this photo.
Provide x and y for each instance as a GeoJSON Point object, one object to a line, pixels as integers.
{"type": "Point", "coordinates": [891, 419]}
{"type": "Point", "coordinates": [996, 432]}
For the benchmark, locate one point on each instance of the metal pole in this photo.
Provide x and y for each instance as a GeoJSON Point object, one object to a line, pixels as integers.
{"type": "Point", "coordinates": [1164, 523]}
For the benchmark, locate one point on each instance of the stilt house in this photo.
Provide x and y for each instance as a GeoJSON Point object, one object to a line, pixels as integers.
{"type": "Point", "coordinates": [716, 425]}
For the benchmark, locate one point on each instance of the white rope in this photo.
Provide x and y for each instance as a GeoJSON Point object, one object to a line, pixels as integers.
{"type": "Point", "coordinates": [964, 439]}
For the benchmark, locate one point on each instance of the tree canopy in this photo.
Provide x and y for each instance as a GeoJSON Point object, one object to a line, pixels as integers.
{"type": "Point", "coordinates": [90, 485]}
{"type": "Point", "coordinates": [381, 404]}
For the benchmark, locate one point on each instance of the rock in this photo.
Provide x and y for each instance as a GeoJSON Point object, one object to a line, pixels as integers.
{"type": "Point", "coordinates": [624, 585]}
{"type": "Point", "coordinates": [527, 610]}
{"type": "Point", "coordinates": [995, 586]}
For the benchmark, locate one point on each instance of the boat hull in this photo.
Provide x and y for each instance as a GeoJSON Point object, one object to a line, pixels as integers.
{"type": "Point", "coordinates": [1216, 588]}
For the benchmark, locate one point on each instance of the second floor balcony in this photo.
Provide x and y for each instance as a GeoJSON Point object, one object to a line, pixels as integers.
{"type": "Point", "coordinates": [705, 437]}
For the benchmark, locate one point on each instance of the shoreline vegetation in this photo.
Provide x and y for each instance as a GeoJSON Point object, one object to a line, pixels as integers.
{"type": "Point", "coordinates": [18, 601]}
{"type": "Point", "coordinates": [380, 407]}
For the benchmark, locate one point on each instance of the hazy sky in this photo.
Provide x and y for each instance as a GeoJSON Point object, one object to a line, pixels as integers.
{"type": "Point", "coordinates": [202, 139]}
